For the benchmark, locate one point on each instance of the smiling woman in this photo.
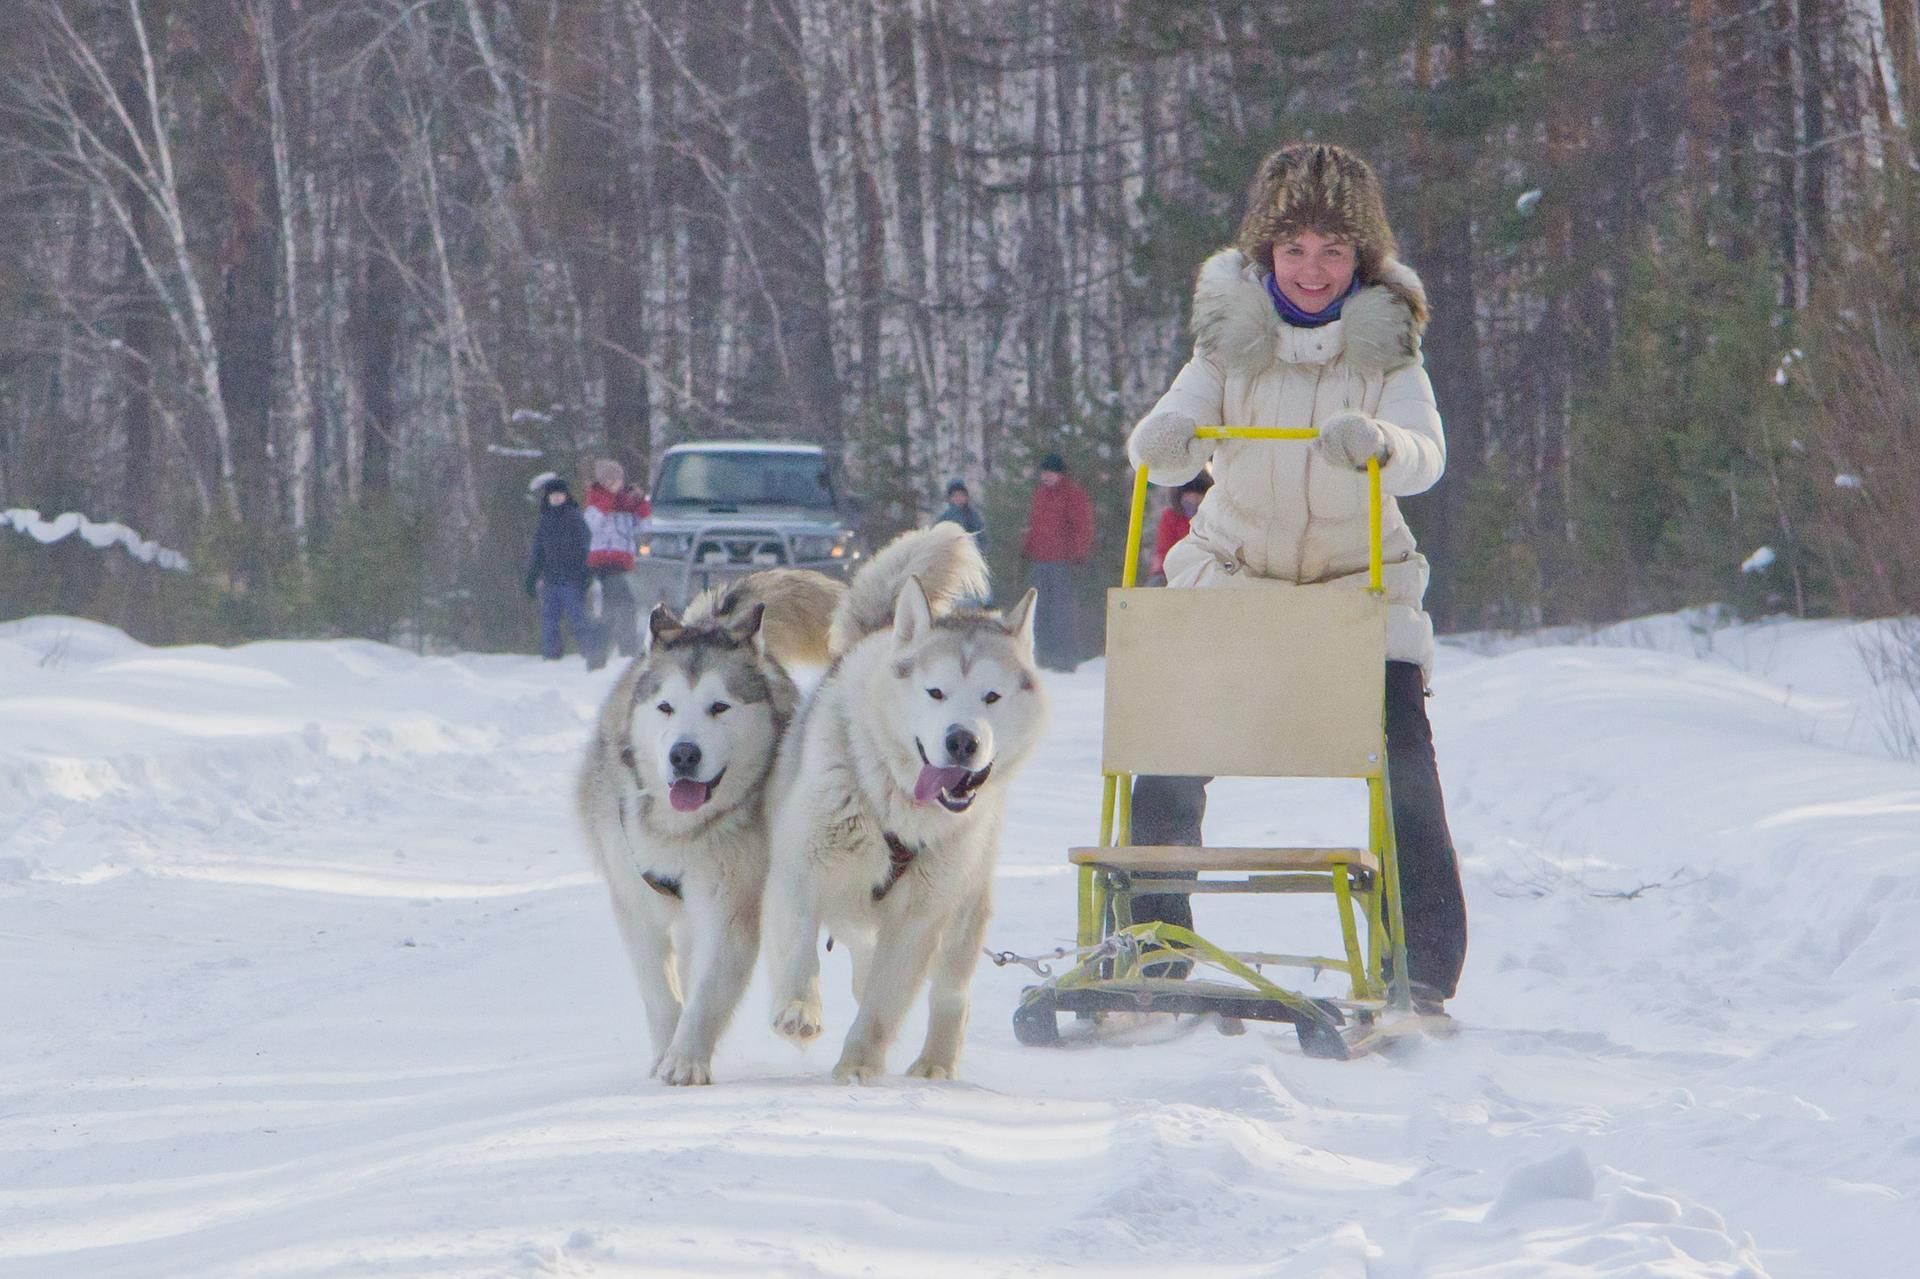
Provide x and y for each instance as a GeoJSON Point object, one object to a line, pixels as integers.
{"type": "Point", "coordinates": [1315, 273]}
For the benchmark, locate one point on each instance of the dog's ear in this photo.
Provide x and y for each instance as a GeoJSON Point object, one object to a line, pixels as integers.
{"type": "Point", "coordinates": [912, 615]}
{"type": "Point", "coordinates": [746, 628]}
{"type": "Point", "coordinates": [1019, 620]}
{"type": "Point", "coordinates": [662, 625]}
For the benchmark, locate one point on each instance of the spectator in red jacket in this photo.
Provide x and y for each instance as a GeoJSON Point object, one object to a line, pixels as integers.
{"type": "Point", "coordinates": [1174, 523]}
{"type": "Point", "coordinates": [614, 511]}
{"type": "Point", "coordinates": [1059, 539]}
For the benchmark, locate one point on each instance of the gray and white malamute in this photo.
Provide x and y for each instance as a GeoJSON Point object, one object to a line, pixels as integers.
{"type": "Point", "coordinates": [889, 796]}
{"type": "Point", "coordinates": [673, 796]}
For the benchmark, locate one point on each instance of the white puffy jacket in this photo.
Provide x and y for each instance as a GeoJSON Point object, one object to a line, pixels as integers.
{"type": "Point", "coordinates": [1277, 509]}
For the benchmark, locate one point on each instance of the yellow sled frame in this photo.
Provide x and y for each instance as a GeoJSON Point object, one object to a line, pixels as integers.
{"type": "Point", "coordinates": [1288, 683]}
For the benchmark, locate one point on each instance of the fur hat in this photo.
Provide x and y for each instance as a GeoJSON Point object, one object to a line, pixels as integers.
{"type": "Point", "coordinates": [609, 474]}
{"type": "Point", "coordinates": [1315, 186]}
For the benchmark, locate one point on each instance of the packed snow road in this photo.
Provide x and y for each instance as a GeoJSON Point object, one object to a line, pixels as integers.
{"type": "Point", "coordinates": [306, 976]}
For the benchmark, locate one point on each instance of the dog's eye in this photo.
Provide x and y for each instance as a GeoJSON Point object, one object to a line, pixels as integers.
{"type": "Point", "coordinates": [665, 708]}
{"type": "Point", "coordinates": [719, 708]}
{"type": "Point", "coordinates": [936, 695]}
{"type": "Point", "coordinates": [991, 698]}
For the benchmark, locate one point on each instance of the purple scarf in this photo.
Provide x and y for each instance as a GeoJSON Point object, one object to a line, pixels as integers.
{"type": "Point", "coordinates": [1309, 319]}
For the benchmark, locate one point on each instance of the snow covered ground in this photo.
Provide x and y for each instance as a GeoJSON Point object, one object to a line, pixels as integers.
{"type": "Point", "coordinates": [304, 974]}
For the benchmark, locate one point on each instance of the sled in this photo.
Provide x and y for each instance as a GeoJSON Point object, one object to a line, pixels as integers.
{"type": "Point", "coordinates": [1291, 685]}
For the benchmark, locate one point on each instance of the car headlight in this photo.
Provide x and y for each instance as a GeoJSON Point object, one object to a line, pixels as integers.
{"type": "Point", "coordinates": [824, 546]}
{"type": "Point", "coordinates": [668, 546]}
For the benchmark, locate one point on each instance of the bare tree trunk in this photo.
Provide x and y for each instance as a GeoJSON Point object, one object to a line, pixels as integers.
{"type": "Point", "coordinates": [1795, 241]}
{"type": "Point", "coordinates": [1703, 122]}
{"type": "Point", "coordinates": [141, 489]}
{"type": "Point", "coordinates": [1902, 18]}
{"type": "Point", "coordinates": [299, 476]}
{"type": "Point", "coordinates": [454, 335]}
{"type": "Point", "coordinates": [247, 321]}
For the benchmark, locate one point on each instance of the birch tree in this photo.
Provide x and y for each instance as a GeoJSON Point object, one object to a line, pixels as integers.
{"type": "Point", "coordinates": [113, 136]}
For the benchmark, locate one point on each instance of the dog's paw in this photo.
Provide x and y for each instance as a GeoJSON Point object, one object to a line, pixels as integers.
{"type": "Point", "coordinates": [858, 1072]}
{"type": "Point", "coordinates": [860, 1063]}
{"type": "Point", "coordinates": [677, 1070]}
{"type": "Point", "coordinates": [929, 1069]}
{"type": "Point", "coordinates": [800, 1021]}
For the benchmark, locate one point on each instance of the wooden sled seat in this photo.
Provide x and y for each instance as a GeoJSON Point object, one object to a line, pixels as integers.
{"type": "Point", "coordinates": [1172, 857]}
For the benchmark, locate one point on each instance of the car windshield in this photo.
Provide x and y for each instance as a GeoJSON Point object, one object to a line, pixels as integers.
{"type": "Point", "coordinates": [739, 478]}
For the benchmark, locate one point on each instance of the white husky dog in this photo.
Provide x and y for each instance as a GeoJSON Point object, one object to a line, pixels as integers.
{"type": "Point", "coordinates": [673, 798]}
{"type": "Point", "coordinates": [889, 796]}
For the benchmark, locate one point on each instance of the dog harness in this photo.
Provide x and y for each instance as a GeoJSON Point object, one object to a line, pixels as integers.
{"type": "Point", "coordinates": [899, 857]}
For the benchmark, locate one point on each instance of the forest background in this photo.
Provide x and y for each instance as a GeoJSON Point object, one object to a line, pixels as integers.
{"type": "Point", "coordinates": [308, 289]}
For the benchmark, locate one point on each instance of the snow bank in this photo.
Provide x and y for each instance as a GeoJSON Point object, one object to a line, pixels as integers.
{"type": "Point", "coordinates": [97, 535]}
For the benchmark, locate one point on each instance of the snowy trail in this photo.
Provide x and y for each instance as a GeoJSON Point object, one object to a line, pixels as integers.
{"type": "Point", "coordinates": [307, 977]}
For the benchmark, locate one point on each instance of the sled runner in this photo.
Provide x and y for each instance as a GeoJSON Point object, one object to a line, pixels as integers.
{"type": "Point", "coordinates": [1289, 684]}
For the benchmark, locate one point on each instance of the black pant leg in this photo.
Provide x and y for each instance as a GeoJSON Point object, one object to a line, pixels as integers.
{"type": "Point", "coordinates": [618, 614]}
{"type": "Point", "coordinates": [1056, 622]}
{"type": "Point", "coordinates": [1167, 810]}
{"type": "Point", "coordinates": [1434, 905]}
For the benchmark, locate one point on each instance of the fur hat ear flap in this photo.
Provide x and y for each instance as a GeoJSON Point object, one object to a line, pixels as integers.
{"type": "Point", "coordinates": [1384, 321]}
{"type": "Point", "coordinates": [662, 625]}
{"type": "Point", "coordinates": [1019, 620]}
{"type": "Point", "coordinates": [912, 614]}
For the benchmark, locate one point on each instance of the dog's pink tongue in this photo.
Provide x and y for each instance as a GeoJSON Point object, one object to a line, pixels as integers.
{"type": "Point", "coordinates": [685, 796]}
{"type": "Point", "coordinates": [934, 780]}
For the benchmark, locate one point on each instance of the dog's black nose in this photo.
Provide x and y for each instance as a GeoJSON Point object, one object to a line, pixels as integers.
{"type": "Point", "coordinates": [685, 757]}
{"type": "Point", "coordinates": [962, 746]}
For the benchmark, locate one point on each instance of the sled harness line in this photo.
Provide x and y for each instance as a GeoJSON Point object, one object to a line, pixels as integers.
{"type": "Point", "coordinates": [899, 857]}
{"type": "Point", "coordinates": [662, 884]}
{"type": "Point", "coordinates": [1001, 958]}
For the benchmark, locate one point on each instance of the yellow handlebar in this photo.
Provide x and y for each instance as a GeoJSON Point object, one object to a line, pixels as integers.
{"type": "Point", "coordinates": [1130, 571]}
{"type": "Point", "coordinates": [1256, 433]}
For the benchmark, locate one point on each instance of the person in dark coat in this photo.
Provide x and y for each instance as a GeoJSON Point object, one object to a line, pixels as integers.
{"type": "Point", "coordinates": [1059, 540]}
{"type": "Point", "coordinates": [961, 510]}
{"type": "Point", "coordinates": [557, 570]}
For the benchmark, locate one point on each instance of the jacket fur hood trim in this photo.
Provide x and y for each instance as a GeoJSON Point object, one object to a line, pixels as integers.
{"type": "Point", "coordinates": [1235, 323]}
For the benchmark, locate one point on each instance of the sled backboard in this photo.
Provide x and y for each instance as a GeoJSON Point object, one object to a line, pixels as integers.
{"type": "Point", "coordinates": [1272, 680]}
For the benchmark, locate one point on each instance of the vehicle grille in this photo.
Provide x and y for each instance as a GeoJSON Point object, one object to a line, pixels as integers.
{"type": "Point", "coordinates": [746, 548]}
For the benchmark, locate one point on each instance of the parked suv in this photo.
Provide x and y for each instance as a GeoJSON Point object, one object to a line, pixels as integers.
{"type": "Point", "coordinates": [724, 509]}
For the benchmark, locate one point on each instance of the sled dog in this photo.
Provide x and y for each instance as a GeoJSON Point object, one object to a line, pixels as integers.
{"type": "Point", "coordinates": [889, 795]}
{"type": "Point", "coordinates": [673, 795]}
